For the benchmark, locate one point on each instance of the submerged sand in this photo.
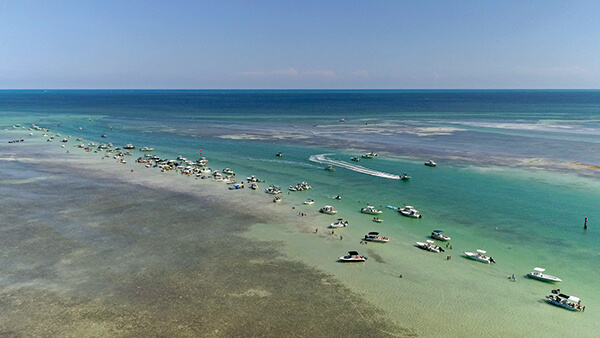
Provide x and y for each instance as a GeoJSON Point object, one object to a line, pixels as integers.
{"type": "Point", "coordinates": [92, 249]}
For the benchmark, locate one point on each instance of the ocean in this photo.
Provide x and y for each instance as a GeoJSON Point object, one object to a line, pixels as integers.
{"type": "Point", "coordinates": [517, 176]}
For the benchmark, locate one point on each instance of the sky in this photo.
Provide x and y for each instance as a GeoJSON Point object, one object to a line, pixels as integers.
{"type": "Point", "coordinates": [346, 44]}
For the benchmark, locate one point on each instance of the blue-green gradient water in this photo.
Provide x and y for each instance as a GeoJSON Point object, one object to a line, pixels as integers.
{"type": "Point", "coordinates": [506, 182]}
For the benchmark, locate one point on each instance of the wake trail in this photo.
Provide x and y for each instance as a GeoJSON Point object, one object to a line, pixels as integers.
{"type": "Point", "coordinates": [321, 158]}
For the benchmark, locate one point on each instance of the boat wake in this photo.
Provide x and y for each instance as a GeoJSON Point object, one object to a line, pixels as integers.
{"type": "Point", "coordinates": [359, 169]}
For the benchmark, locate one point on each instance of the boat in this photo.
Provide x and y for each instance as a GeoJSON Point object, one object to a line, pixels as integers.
{"type": "Point", "coordinates": [64, 140]}
{"type": "Point", "coordinates": [309, 201]}
{"type": "Point", "coordinates": [104, 136]}
{"type": "Point", "coordinates": [237, 186]}
{"type": "Point", "coordinates": [429, 246]}
{"type": "Point", "coordinates": [338, 197]}
{"type": "Point", "coordinates": [279, 154]}
{"type": "Point", "coordinates": [438, 234]}
{"type": "Point", "coordinates": [355, 159]}
{"type": "Point", "coordinates": [254, 186]}
{"type": "Point", "coordinates": [277, 199]}
{"type": "Point", "coordinates": [405, 177]}
{"type": "Point", "coordinates": [409, 211]}
{"type": "Point", "coordinates": [370, 210]}
{"type": "Point", "coordinates": [273, 190]}
{"type": "Point", "coordinates": [146, 149]}
{"type": "Point", "coordinates": [328, 209]}
{"type": "Point", "coordinates": [353, 256]}
{"type": "Point", "coordinates": [129, 146]}
{"type": "Point", "coordinates": [252, 179]}
{"type": "Point", "coordinates": [430, 163]}
{"type": "Point", "coordinates": [206, 170]}
{"type": "Point", "coordinates": [330, 168]}
{"type": "Point", "coordinates": [300, 187]}
{"type": "Point", "coordinates": [340, 223]}
{"type": "Point", "coordinates": [377, 219]}
{"type": "Point", "coordinates": [537, 273]}
{"type": "Point", "coordinates": [369, 155]}
{"type": "Point", "coordinates": [480, 256]}
{"type": "Point", "coordinates": [567, 302]}
{"type": "Point", "coordinates": [374, 237]}
{"type": "Point", "coordinates": [227, 171]}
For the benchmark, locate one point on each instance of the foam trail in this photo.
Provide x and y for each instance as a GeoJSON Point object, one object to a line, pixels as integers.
{"type": "Point", "coordinates": [322, 159]}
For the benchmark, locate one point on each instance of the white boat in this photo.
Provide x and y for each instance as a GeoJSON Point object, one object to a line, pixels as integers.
{"type": "Point", "coordinates": [567, 302]}
{"type": "Point", "coordinates": [437, 234]}
{"type": "Point", "coordinates": [355, 159]}
{"type": "Point", "coordinates": [377, 219]}
{"type": "Point", "coordinates": [279, 154]}
{"type": "Point", "coordinates": [430, 163]}
{"type": "Point", "coordinates": [369, 155]}
{"type": "Point", "coordinates": [300, 187]}
{"type": "Point", "coordinates": [129, 146]}
{"type": "Point", "coordinates": [370, 210]}
{"type": "Point", "coordinates": [206, 170]}
{"type": "Point", "coordinates": [330, 168]}
{"type": "Point", "coordinates": [252, 179]}
{"type": "Point", "coordinates": [409, 211]}
{"type": "Point", "coordinates": [405, 177]}
{"type": "Point", "coordinates": [340, 223]}
{"type": "Point", "coordinates": [429, 246]}
{"type": "Point", "coordinates": [277, 199]}
{"type": "Point", "coordinates": [374, 237]}
{"type": "Point", "coordinates": [227, 171]}
{"type": "Point", "coordinates": [254, 186]}
{"type": "Point", "coordinates": [353, 256]}
{"type": "Point", "coordinates": [146, 149]}
{"type": "Point", "coordinates": [537, 273]}
{"type": "Point", "coordinates": [309, 201]}
{"type": "Point", "coordinates": [273, 190]}
{"type": "Point", "coordinates": [480, 256]}
{"type": "Point", "coordinates": [328, 209]}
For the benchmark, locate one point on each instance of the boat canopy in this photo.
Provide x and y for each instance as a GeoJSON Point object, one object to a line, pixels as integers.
{"type": "Point", "coordinates": [373, 233]}
{"type": "Point", "coordinates": [539, 269]}
{"type": "Point", "coordinates": [438, 231]}
{"type": "Point", "coordinates": [481, 251]}
{"type": "Point", "coordinates": [574, 299]}
{"type": "Point", "coordinates": [353, 253]}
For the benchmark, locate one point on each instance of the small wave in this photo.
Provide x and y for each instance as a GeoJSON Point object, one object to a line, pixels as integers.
{"type": "Point", "coordinates": [359, 169]}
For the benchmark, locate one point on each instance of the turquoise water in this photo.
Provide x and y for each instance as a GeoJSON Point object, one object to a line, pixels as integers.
{"type": "Point", "coordinates": [503, 184]}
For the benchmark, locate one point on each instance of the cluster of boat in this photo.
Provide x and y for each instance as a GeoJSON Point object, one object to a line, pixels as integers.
{"type": "Point", "coordinates": [300, 187]}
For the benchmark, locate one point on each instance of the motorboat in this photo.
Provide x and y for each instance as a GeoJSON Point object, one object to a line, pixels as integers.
{"type": "Point", "coordinates": [538, 273]}
{"type": "Point", "coordinates": [353, 256]}
{"type": "Point", "coordinates": [338, 197]}
{"type": "Point", "coordinates": [206, 170]}
{"type": "Point", "coordinates": [146, 149]}
{"type": "Point", "coordinates": [340, 223]}
{"type": "Point", "coordinates": [377, 219]}
{"type": "Point", "coordinates": [369, 155]}
{"type": "Point", "coordinates": [330, 168]}
{"type": "Point", "coordinates": [277, 199]}
{"type": "Point", "coordinates": [355, 159]}
{"type": "Point", "coordinates": [300, 187]}
{"type": "Point", "coordinates": [273, 190]}
{"type": "Point", "coordinates": [227, 171]}
{"type": "Point", "coordinates": [480, 256]}
{"type": "Point", "coordinates": [252, 179]}
{"type": "Point", "coordinates": [375, 237]}
{"type": "Point", "coordinates": [279, 154]}
{"type": "Point", "coordinates": [409, 211]}
{"type": "Point", "coordinates": [328, 209]}
{"type": "Point", "coordinates": [430, 163]}
{"type": "Point", "coordinates": [254, 186]}
{"type": "Point", "coordinates": [438, 234]}
{"type": "Point", "coordinates": [567, 302]}
{"type": "Point", "coordinates": [104, 136]}
{"type": "Point", "coordinates": [429, 246]}
{"type": "Point", "coordinates": [405, 177]}
{"type": "Point", "coordinates": [309, 201]}
{"type": "Point", "coordinates": [370, 210]}
{"type": "Point", "coordinates": [129, 146]}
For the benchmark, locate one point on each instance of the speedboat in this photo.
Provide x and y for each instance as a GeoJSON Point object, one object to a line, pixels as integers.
{"type": "Point", "coordinates": [537, 273]}
{"type": "Point", "coordinates": [430, 163]}
{"type": "Point", "coordinates": [437, 234]}
{"type": "Point", "coordinates": [405, 177]}
{"type": "Point", "coordinates": [328, 209]}
{"type": "Point", "coordinates": [568, 302]}
{"type": "Point", "coordinates": [300, 186]}
{"type": "Point", "coordinates": [273, 190]}
{"type": "Point", "coordinates": [370, 210]}
{"type": "Point", "coordinates": [480, 256]}
{"type": "Point", "coordinates": [309, 201]}
{"type": "Point", "coordinates": [227, 171]}
{"type": "Point", "coordinates": [340, 223]}
{"type": "Point", "coordinates": [429, 246]}
{"type": "Point", "coordinates": [254, 186]}
{"type": "Point", "coordinates": [374, 237]}
{"type": "Point", "coordinates": [147, 149]}
{"type": "Point", "coordinates": [409, 211]}
{"type": "Point", "coordinates": [277, 199]}
{"type": "Point", "coordinates": [377, 219]}
{"type": "Point", "coordinates": [129, 146]}
{"type": "Point", "coordinates": [369, 155]}
{"type": "Point", "coordinates": [353, 256]}
{"type": "Point", "coordinates": [252, 179]}
{"type": "Point", "coordinates": [338, 197]}
{"type": "Point", "coordinates": [355, 159]}
{"type": "Point", "coordinates": [330, 168]}
{"type": "Point", "coordinates": [279, 154]}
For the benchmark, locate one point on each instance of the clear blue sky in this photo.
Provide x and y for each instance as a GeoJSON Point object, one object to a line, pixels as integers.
{"type": "Point", "coordinates": [299, 44]}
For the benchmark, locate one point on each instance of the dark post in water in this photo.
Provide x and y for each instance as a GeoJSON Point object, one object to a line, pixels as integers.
{"type": "Point", "coordinates": [585, 223]}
